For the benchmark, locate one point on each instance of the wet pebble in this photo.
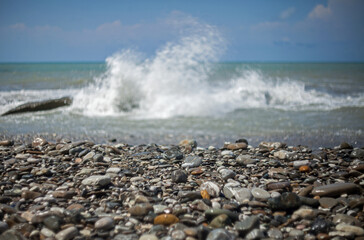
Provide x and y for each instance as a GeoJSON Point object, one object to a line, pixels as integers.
{"type": "Point", "coordinates": [220, 234]}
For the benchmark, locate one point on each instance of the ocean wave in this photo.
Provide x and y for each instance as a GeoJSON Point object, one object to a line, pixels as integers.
{"type": "Point", "coordinates": [179, 81]}
{"type": "Point", "coordinates": [176, 82]}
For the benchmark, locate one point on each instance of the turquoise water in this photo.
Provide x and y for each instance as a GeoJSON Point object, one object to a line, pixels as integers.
{"type": "Point", "coordinates": [317, 104]}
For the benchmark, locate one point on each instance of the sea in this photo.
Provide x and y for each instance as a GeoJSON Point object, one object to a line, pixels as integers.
{"type": "Point", "coordinates": [185, 91]}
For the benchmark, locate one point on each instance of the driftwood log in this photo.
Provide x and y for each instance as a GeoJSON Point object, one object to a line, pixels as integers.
{"type": "Point", "coordinates": [40, 106]}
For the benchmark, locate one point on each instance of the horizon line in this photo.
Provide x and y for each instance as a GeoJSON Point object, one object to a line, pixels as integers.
{"type": "Point", "coordinates": [228, 61]}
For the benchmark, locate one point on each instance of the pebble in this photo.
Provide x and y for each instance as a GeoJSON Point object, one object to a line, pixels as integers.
{"type": "Point", "coordinates": [304, 168]}
{"type": "Point", "coordinates": [178, 235]}
{"type": "Point", "coordinates": [82, 190]}
{"type": "Point", "coordinates": [211, 213]}
{"type": "Point", "coordinates": [320, 226]}
{"type": "Point", "coordinates": [245, 160]}
{"type": "Point", "coordinates": [227, 153]}
{"type": "Point", "coordinates": [246, 225]}
{"type": "Point", "coordinates": [148, 237]}
{"type": "Point", "coordinates": [322, 236]}
{"type": "Point", "coordinates": [191, 162]}
{"type": "Point", "coordinates": [255, 234]}
{"type": "Point", "coordinates": [205, 194]}
{"type": "Point", "coordinates": [140, 209]}
{"type": "Point", "coordinates": [275, 233]}
{"type": "Point", "coordinates": [301, 163]}
{"type": "Point", "coordinates": [104, 223]}
{"type": "Point", "coordinates": [97, 180]}
{"type": "Point", "coordinates": [304, 213]}
{"type": "Point", "coordinates": [166, 219]}
{"type": "Point", "coordinates": [66, 234]}
{"type": "Point", "coordinates": [30, 195]}
{"type": "Point", "coordinates": [3, 227]}
{"type": "Point", "coordinates": [242, 195]}
{"type": "Point", "coordinates": [236, 146]}
{"type": "Point", "coordinates": [297, 234]}
{"type": "Point", "coordinates": [52, 222]}
{"type": "Point", "coordinates": [278, 185]}
{"type": "Point", "coordinates": [327, 202]}
{"type": "Point", "coordinates": [220, 234]}
{"type": "Point", "coordinates": [114, 170]}
{"type": "Point", "coordinates": [344, 218]}
{"type": "Point", "coordinates": [343, 227]}
{"type": "Point", "coordinates": [227, 173]}
{"type": "Point", "coordinates": [336, 189]}
{"type": "Point", "coordinates": [260, 194]}
{"type": "Point", "coordinates": [286, 201]}
{"type": "Point", "coordinates": [357, 153]}
{"type": "Point", "coordinates": [212, 188]}
{"type": "Point", "coordinates": [47, 233]}
{"type": "Point", "coordinates": [282, 154]}
{"type": "Point", "coordinates": [12, 234]}
{"type": "Point", "coordinates": [179, 176]}
{"type": "Point", "coordinates": [220, 221]}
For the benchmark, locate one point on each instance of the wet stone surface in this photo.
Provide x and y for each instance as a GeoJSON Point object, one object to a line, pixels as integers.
{"type": "Point", "coordinates": [82, 190]}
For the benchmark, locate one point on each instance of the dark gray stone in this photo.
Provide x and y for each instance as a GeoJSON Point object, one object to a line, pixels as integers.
{"type": "Point", "coordinates": [286, 201]}
{"type": "Point", "coordinates": [179, 176]}
{"type": "Point", "coordinates": [246, 225]}
{"type": "Point", "coordinates": [40, 106]}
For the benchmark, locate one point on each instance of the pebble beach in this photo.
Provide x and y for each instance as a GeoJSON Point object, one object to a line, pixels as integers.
{"type": "Point", "coordinates": [82, 190]}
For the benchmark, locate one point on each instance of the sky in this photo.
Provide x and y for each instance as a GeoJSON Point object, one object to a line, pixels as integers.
{"type": "Point", "coordinates": [255, 30]}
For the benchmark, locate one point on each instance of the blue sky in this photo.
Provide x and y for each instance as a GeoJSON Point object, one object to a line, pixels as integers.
{"type": "Point", "coordinates": [256, 30]}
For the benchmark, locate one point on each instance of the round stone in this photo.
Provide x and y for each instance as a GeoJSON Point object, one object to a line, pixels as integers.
{"type": "Point", "coordinates": [166, 219]}
{"type": "Point", "coordinates": [97, 180]}
{"type": "Point", "coordinates": [220, 234]}
{"type": "Point", "coordinates": [148, 237]}
{"type": "Point", "coordinates": [220, 221]}
{"type": "Point", "coordinates": [212, 188]}
{"type": "Point", "coordinates": [227, 173]}
{"type": "Point", "coordinates": [243, 194]}
{"type": "Point", "coordinates": [343, 227]}
{"type": "Point", "coordinates": [327, 202]}
{"type": "Point", "coordinates": [260, 194]}
{"type": "Point", "coordinates": [52, 222]}
{"type": "Point", "coordinates": [67, 234]}
{"type": "Point", "coordinates": [246, 225]}
{"type": "Point", "coordinates": [104, 223]}
{"type": "Point", "coordinates": [192, 161]}
{"type": "Point", "coordinates": [179, 176]}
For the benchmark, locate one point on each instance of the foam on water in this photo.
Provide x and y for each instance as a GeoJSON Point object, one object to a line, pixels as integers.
{"type": "Point", "coordinates": [175, 82]}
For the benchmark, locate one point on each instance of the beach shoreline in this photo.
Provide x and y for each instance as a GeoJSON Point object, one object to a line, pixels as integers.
{"type": "Point", "coordinates": [314, 141]}
{"type": "Point", "coordinates": [67, 189]}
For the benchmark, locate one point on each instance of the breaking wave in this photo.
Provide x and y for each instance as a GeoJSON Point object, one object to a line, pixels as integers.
{"type": "Point", "coordinates": [177, 82]}
{"type": "Point", "coordinates": [180, 80]}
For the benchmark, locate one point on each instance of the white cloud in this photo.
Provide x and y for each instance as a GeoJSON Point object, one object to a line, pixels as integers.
{"type": "Point", "coordinates": [109, 26]}
{"type": "Point", "coordinates": [18, 26]}
{"type": "Point", "coordinates": [287, 13]}
{"type": "Point", "coordinates": [320, 12]}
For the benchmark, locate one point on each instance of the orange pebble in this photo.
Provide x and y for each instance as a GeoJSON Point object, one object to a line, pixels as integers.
{"type": "Point", "coordinates": [205, 194]}
{"type": "Point", "coordinates": [304, 168]}
{"type": "Point", "coordinates": [197, 171]}
{"type": "Point", "coordinates": [166, 219]}
{"type": "Point", "coordinates": [78, 160]}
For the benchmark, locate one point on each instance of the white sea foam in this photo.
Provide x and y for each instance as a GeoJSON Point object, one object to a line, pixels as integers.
{"type": "Point", "coordinates": [175, 82]}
